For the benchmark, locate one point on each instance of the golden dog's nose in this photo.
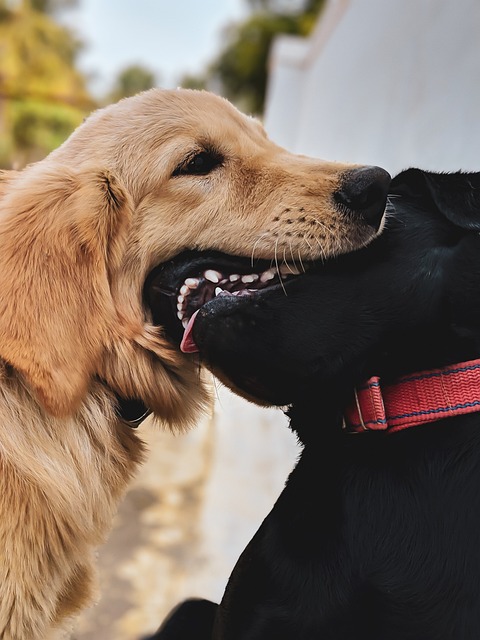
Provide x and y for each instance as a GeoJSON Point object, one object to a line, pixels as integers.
{"type": "Point", "coordinates": [364, 192]}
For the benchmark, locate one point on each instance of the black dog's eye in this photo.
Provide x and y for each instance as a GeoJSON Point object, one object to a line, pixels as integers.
{"type": "Point", "coordinates": [201, 164]}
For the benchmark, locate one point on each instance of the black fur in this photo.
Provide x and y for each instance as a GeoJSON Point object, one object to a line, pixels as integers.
{"type": "Point", "coordinates": [188, 617]}
{"type": "Point", "coordinates": [375, 536]}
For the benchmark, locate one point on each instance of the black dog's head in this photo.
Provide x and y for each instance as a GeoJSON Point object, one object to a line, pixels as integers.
{"type": "Point", "coordinates": [411, 299]}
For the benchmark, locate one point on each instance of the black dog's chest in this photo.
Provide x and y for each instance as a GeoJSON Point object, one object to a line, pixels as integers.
{"type": "Point", "coordinates": [385, 533]}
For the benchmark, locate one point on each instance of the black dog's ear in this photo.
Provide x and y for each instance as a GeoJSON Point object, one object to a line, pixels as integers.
{"type": "Point", "coordinates": [457, 196]}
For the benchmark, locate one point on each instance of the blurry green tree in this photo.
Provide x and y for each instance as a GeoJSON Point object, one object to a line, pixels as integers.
{"type": "Point", "coordinates": [51, 6]}
{"type": "Point", "coordinates": [240, 71]}
{"type": "Point", "coordinates": [132, 80]}
{"type": "Point", "coordinates": [43, 97]}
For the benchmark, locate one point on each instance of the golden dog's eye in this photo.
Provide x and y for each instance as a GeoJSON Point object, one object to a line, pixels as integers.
{"type": "Point", "coordinates": [201, 164]}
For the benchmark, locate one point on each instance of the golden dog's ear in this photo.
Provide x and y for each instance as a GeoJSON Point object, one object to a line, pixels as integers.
{"type": "Point", "coordinates": [62, 235]}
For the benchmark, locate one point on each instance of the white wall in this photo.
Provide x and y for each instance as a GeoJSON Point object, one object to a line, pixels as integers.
{"type": "Point", "coordinates": [388, 82]}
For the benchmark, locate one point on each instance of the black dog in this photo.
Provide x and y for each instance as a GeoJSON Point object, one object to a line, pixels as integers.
{"type": "Point", "coordinates": [376, 535]}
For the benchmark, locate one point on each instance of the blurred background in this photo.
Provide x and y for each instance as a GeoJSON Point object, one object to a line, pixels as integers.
{"type": "Point", "coordinates": [59, 59]}
{"type": "Point", "coordinates": [388, 82]}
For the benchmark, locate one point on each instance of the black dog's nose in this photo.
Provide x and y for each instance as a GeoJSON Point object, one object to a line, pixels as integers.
{"type": "Point", "coordinates": [364, 192]}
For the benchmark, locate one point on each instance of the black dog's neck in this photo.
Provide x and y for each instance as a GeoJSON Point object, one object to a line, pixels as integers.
{"type": "Point", "coordinates": [316, 415]}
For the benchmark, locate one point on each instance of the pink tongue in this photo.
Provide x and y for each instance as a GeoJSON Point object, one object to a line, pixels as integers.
{"type": "Point", "coordinates": [187, 344]}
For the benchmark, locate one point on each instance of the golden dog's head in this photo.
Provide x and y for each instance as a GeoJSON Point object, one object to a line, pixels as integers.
{"type": "Point", "coordinates": [136, 184]}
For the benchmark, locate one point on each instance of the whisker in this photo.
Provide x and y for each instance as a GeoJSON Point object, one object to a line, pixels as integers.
{"type": "Point", "coordinates": [278, 270]}
{"type": "Point", "coordinates": [300, 257]}
{"type": "Point", "coordinates": [390, 208]}
{"type": "Point", "coordinates": [302, 266]}
{"type": "Point", "coordinates": [252, 260]}
{"type": "Point", "coordinates": [291, 253]}
{"type": "Point", "coordinates": [324, 226]}
{"type": "Point", "coordinates": [216, 389]}
{"type": "Point", "coordinates": [323, 257]}
{"type": "Point", "coordinates": [276, 258]}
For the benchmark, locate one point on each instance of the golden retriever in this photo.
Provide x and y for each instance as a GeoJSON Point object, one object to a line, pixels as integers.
{"type": "Point", "coordinates": [137, 183]}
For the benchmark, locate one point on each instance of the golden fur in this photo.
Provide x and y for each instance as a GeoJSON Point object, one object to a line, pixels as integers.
{"type": "Point", "coordinates": [79, 232]}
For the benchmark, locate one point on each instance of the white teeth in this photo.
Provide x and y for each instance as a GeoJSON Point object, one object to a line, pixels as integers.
{"type": "Point", "coordinates": [267, 275]}
{"type": "Point", "coordinates": [212, 276]}
{"type": "Point", "coordinates": [216, 277]}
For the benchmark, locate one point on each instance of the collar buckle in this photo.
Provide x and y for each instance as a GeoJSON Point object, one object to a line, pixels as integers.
{"type": "Point", "coordinates": [366, 411]}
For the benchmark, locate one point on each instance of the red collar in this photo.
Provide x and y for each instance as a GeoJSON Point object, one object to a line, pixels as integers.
{"type": "Point", "coordinates": [414, 399]}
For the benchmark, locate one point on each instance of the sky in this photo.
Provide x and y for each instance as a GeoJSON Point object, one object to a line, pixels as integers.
{"type": "Point", "coordinates": [169, 37]}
